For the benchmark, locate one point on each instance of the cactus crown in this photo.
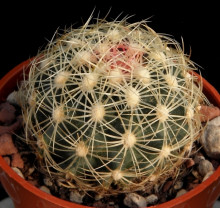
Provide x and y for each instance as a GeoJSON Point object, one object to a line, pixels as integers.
{"type": "Point", "coordinates": [112, 106]}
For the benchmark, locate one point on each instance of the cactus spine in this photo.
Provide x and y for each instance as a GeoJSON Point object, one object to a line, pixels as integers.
{"type": "Point", "coordinates": [112, 106]}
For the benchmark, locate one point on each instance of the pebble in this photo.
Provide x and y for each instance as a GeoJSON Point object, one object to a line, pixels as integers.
{"type": "Point", "coordinates": [181, 192]}
{"type": "Point", "coordinates": [208, 175]}
{"type": "Point", "coordinates": [31, 170]}
{"type": "Point", "coordinates": [33, 182]}
{"type": "Point", "coordinates": [178, 185]}
{"type": "Point", "coordinates": [45, 189]}
{"type": "Point", "coordinates": [215, 121]}
{"type": "Point", "coordinates": [47, 181]}
{"type": "Point", "coordinates": [16, 170]}
{"type": "Point", "coordinates": [209, 112]}
{"type": "Point", "coordinates": [13, 98]}
{"type": "Point", "coordinates": [192, 186]}
{"type": "Point", "coordinates": [7, 113]}
{"type": "Point", "coordinates": [167, 186]}
{"type": "Point", "coordinates": [7, 146]}
{"type": "Point", "coordinates": [134, 200]}
{"type": "Point", "coordinates": [152, 199]}
{"type": "Point", "coordinates": [11, 128]}
{"type": "Point", "coordinates": [198, 158]}
{"type": "Point", "coordinates": [189, 163]}
{"type": "Point", "coordinates": [75, 196]}
{"type": "Point", "coordinates": [17, 161]}
{"type": "Point", "coordinates": [204, 167]}
{"type": "Point", "coordinates": [111, 204]}
{"type": "Point", "coordinates": [196, 174]}
{"type": "Point", "coordinates": [210, 139]}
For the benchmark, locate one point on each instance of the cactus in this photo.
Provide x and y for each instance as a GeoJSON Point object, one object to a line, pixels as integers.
{"type": "Point", "coordinates": [112, 106]}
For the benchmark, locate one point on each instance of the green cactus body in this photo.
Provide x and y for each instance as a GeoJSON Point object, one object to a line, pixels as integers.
{"type": "Point", "coordinates": [112, 103]}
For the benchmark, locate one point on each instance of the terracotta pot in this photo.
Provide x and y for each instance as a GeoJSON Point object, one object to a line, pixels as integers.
{"type": "Point", "coordinates": [25, 195]}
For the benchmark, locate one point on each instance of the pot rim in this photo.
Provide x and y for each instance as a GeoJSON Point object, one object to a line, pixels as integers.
{"type": "Point", "coordinates": [214, 177]}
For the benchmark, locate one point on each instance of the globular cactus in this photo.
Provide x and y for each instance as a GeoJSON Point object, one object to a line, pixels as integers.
{"type": "Point", "coordinates": [112, 106]}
